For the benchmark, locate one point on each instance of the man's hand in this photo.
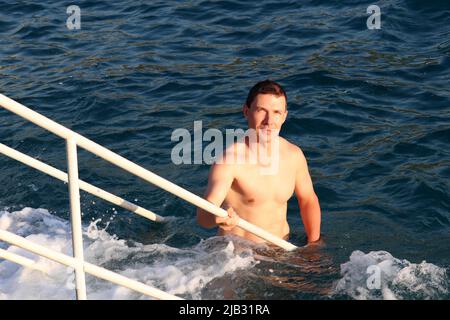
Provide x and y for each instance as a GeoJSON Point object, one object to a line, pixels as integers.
{"type": "Point", "coordinates": [228, 223]}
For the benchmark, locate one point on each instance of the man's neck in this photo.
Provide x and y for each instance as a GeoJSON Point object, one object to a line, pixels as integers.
{"type": "Point", "coordinates": [264, 150]}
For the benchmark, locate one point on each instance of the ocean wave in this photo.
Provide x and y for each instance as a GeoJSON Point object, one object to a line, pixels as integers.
{"type": "Point", "coordinates": [184, 272]}
{"type": "Point", "coordinates": [379, 275]}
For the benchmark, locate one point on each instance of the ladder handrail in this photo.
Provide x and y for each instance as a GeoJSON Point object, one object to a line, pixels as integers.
{"type": "Point", "coordinates": [4, 254]}
{"type": "Point", "coordinates": [133, 168]}
{"type": "Point", "coordinates": [66, 260]}
{"type": "Point", "coordinates": [73, 140]}
{"type": "Point", "coordinates": [60, 175]}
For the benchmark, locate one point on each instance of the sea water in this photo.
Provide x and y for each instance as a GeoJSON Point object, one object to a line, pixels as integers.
{"type": "Point", "coordinates": [201, 271]}
{"type": "Point", "coordinates": [369, 108]}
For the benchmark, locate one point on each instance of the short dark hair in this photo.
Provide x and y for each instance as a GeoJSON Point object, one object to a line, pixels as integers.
{"type": "Point", "coordinates": [265, 87]}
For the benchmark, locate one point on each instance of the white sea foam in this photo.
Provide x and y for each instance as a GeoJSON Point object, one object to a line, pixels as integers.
{"type": "Point", "coordinates": [182, 272]}
{"type": "Point", "coordinates": [379, 275]}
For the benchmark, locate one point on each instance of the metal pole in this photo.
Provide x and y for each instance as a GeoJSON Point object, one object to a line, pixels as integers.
{"type": "Point", "coordinates": [90, 268]}
{"type": "Point", "coordinates": [75, 215]}
{"type": "Point", "coordinates": [20, 260]}
{"type": "Point", "coordinates": [58, 174]}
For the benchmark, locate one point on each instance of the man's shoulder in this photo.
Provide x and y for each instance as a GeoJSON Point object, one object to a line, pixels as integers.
{"type": "Point", "coordinates": [228, 155]}
{"type": "Point", "coordinates": [291, 148]}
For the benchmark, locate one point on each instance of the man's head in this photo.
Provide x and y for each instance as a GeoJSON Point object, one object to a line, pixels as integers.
{"type": "Point", "coordinates": [266, 108]}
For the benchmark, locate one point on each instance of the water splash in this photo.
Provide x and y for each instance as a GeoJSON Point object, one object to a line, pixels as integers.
{"type": "Point", "coordinates": [183, 272]}
{"type": "Point", "coordinates": [379, 275]}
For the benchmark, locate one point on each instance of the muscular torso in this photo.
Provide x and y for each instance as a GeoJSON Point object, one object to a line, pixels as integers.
{"type": "Point", "coordinates": [261, 199]}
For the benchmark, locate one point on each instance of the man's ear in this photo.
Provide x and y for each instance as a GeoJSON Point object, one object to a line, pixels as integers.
{"type": "Point", "coordinates": [245, 110]}
{"type": "Point", "coordinates": [285, 116]}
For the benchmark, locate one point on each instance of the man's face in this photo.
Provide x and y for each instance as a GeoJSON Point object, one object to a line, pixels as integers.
{"type": "Point", "coordinates": [266, 115]}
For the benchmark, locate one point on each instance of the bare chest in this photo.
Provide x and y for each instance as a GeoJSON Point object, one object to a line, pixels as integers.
{"type": "Point", "coordinates": [253, 186]}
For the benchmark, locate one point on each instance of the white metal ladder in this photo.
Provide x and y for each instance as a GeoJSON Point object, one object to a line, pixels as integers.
{"type": "Point", "coordinates": [73, 140]}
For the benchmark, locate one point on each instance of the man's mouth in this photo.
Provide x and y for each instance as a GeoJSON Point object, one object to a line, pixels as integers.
{"type": "Point", "coordinates": [268, 130]}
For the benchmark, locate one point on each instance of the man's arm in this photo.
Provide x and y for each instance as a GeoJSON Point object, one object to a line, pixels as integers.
{"type": "Point", "coordinates": [219, 182]}
{"type": "Point", "coordinates": [307, 200]}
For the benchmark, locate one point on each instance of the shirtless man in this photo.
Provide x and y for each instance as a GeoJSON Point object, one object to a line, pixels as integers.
{"type": "Point", "coordinates": [246, 191]}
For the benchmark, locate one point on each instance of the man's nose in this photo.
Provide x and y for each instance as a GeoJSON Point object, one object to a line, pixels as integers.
{"type": "Point", "coordinates": [270, 119]}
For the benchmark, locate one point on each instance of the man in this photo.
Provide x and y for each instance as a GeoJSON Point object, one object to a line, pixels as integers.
{"type": "Point", "coordinates": [249, 192]}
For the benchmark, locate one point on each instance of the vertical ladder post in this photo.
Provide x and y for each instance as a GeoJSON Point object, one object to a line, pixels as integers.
{"type": "Point", "coordinates": [75, 215]}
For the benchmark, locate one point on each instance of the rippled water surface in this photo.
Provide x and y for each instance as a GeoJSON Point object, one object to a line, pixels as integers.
{"type": "Point", "coordinates": [369, 108]}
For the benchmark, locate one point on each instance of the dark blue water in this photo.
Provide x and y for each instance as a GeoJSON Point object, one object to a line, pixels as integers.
{"type": "Point", "coordinates": [369, 108]}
